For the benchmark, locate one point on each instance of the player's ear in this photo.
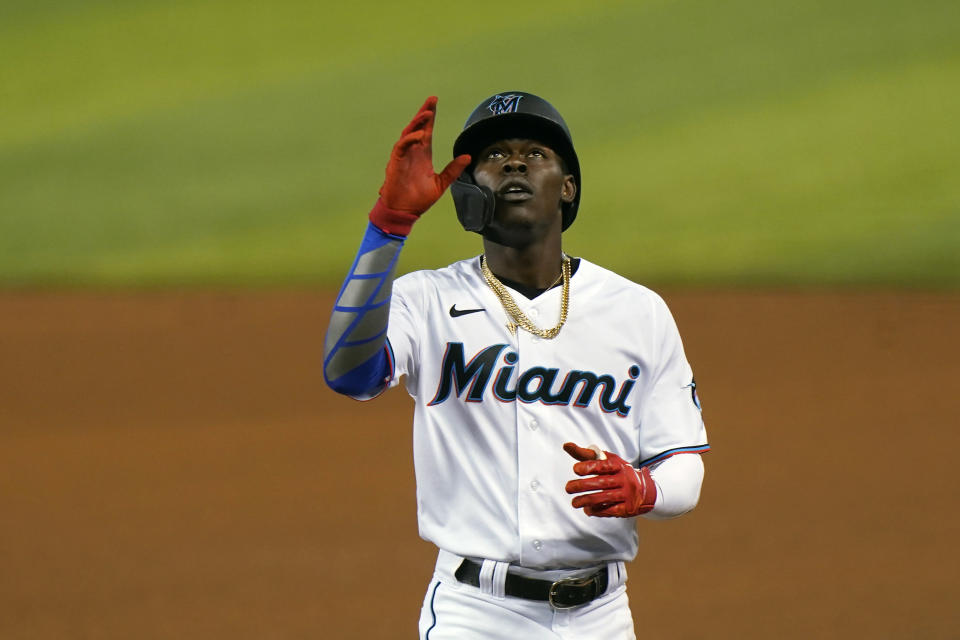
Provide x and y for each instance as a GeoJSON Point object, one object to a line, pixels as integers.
{"type": "Point", "coordinates": [569, 191]}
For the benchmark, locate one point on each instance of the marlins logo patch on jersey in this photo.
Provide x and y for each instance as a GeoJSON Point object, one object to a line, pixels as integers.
{"type": "Point", "coordinates": [693, 393]}
{"type": "Point", "coordinates": [504, 104]}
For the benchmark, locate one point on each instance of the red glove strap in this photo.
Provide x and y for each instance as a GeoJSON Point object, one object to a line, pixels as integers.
{"type": "Point", "coordinates": [397, 223]}
{"type": "Point", "coordinates": [646, 497]}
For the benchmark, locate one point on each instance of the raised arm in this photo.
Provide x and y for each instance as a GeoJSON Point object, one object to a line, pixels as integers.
{"type": "Point", "coordinates": [355, 361]}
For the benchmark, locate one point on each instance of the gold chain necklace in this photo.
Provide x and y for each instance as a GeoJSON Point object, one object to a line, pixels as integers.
{"type": "Point", "coordinates": [517, 317]}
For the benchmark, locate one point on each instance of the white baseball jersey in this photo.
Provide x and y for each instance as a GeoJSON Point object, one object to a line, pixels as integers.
{"type": "Point", "coordinates": [493, 409]}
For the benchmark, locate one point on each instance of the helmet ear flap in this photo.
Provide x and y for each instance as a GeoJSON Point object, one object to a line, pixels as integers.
{"type": "Point", "coordinates": [474, 203]}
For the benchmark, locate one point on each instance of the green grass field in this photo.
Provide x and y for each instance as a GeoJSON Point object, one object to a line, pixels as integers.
{"type": "Point", "coordinates": [745, 143]}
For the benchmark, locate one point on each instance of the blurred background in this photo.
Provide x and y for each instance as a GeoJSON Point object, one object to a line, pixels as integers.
{"type": "Point", "coordinates": [184, 184]}
{"type": "Point", "coordinates": [162, 142]}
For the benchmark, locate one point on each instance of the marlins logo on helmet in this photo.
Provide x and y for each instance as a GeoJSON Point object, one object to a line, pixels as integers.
{"type": "Point", "coordinates": [504, 104]}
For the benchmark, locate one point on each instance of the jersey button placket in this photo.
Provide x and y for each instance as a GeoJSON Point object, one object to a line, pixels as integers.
{"type": "Point", "coordinates": [536, 496]}
{"type": "Point", "coordinates": [529, 443]}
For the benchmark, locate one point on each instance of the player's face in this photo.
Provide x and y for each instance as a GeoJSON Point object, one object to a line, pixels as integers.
{"type": "Point", "coordinates": [528, 182]}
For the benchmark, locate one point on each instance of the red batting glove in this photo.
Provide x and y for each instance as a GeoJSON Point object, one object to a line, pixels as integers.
{"type": "Point", "coordinates": [411, 187]}
{"type": "Point", "coordinates": [621, 490]}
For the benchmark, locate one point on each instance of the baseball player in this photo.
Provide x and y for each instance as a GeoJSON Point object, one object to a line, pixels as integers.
{"type": "Point", "coordinates": [537, 376]}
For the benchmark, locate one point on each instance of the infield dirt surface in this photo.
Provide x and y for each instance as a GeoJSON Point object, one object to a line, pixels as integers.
{"type": "Point", "coordinates": [172, 466]}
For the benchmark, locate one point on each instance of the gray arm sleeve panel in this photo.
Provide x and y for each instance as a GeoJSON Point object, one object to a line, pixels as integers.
{"type": "Point", "coordinates": [370, 324]}
{"type": "Point", "coordinates": [347, 356]}
{"type": "Point", "coordinates": [359, 331]}
{"type": "Point", "coordinates": [384, 294]}
{"type": "Point", "coordinates": [377, 260]}
{"type": "Point", "coordinates": [358, 324]}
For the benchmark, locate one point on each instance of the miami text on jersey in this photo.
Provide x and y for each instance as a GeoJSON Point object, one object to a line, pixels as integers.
{"type": "Point", "coordinates": [536, 384]}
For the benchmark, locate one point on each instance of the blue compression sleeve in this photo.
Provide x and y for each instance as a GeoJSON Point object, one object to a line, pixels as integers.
{"type": "Point", "coordinates": [357, 360]}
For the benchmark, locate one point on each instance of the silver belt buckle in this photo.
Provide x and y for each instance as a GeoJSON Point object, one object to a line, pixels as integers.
{"type": "Point", "coordinates": [573, 582]}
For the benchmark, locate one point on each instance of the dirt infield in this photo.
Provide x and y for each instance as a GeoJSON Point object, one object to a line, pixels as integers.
{"type": "Point", "coordinates": [172, 466]}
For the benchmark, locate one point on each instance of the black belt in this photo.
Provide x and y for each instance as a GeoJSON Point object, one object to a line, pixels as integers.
{"type": "Point", "coordinates": [562, 594]}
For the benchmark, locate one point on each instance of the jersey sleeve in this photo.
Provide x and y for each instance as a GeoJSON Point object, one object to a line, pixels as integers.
{"type": "Point", "coordinates": [671, 420]}
{"type": "Point", "coordinates": [407, 322]}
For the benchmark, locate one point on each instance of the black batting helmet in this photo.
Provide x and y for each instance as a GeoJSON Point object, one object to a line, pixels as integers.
{"type": "Point", "coordinates": [511, 114]}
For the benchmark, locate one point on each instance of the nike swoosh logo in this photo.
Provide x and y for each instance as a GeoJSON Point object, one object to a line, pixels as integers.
{"type": "Point", "coordinates": [456, 313]}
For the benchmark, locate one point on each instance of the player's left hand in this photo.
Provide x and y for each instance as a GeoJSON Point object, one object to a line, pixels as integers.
{"type": "Point", "coordinates": [620, 490]}
{"type": "Point", "coordinates": [410, 184]}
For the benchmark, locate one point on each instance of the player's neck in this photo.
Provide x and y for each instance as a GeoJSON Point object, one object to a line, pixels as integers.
{"type": "Point", "coordinates": [535, 265]}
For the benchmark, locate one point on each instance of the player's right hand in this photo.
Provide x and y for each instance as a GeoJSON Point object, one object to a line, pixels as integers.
{"type": "Point", "coordinates": [411, 186]}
